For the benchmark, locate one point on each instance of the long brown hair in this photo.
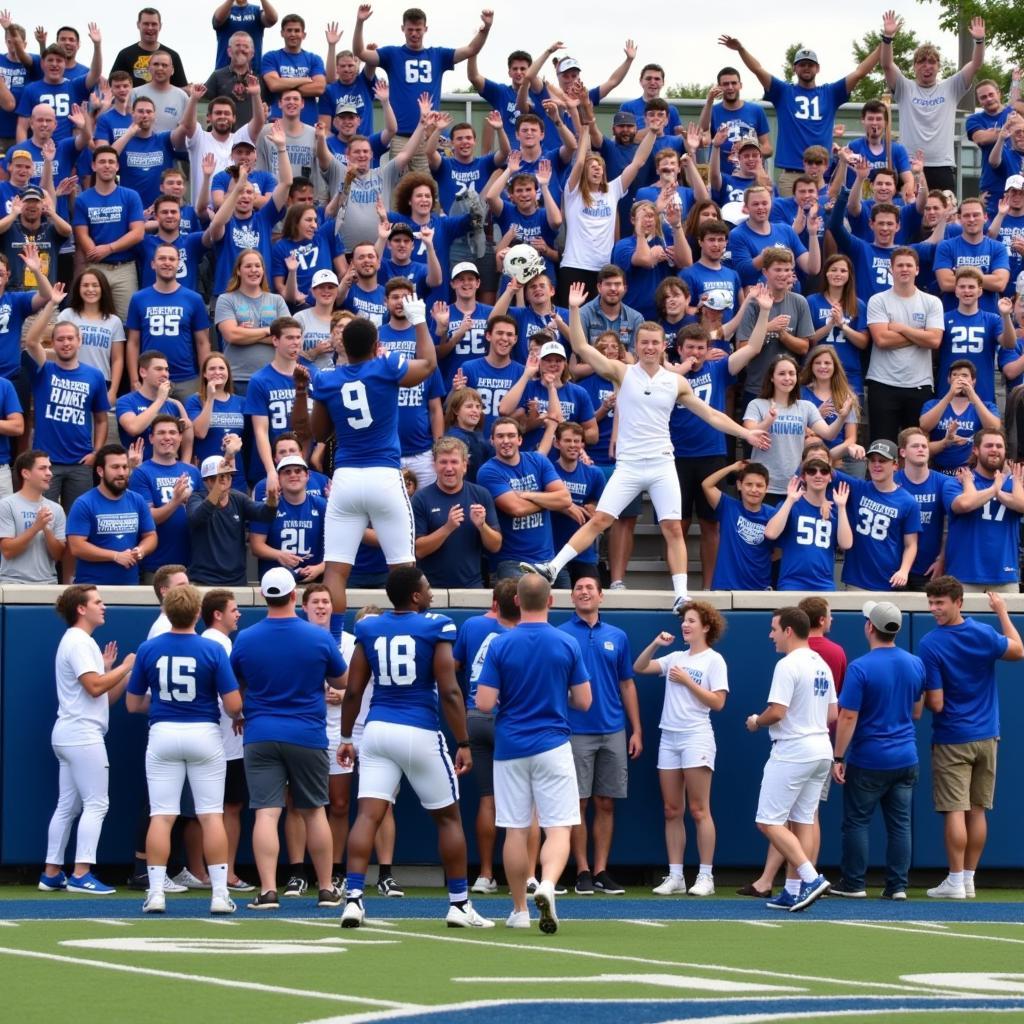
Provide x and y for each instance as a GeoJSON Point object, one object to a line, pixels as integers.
{"type": "Point", "coordinates": [848, 296]}
{"type": "Point", "coordinates": [229, 384]}
{"type": "Point", "coordinates": [585, 193]}
{"type": "Point", "coordinates": [291, 220]}
{"type": "Point", "coordinates": [839, 385]}
{"type": "Point", "coordinates": [106, 302]}
{"type": "Point", "coordinates": [235, 281]}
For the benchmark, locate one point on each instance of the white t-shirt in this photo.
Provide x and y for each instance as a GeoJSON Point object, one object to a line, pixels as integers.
{"type": "Point", "coordinates": [928, 116]}
{"type": "Point", "coordinates": [203, 142]}
{"type": "Point", "coordinates": [233, 743]}
{"type": "Point", "coordinates": [682, 712]}
{"type": "Point", "coordinates": [803, 684]}
{"type": "Point", "coordinates": [161, 626]}
{"type": "Point", "coordinates": [81, 718]}
{"type": "Point", "coordinates": [909, 367]}
{"type": "Point", "coordinates": [590, 230]}
{"type": "Point", "coordinates": [347, 646]}
{"type": "Point", "coordinates": [643, 410]}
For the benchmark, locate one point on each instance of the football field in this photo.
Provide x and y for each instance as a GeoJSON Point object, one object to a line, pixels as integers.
{"type": "Point", "coordinates": [718, 960]}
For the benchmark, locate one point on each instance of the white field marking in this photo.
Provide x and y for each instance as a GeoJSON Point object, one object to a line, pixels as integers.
{"type": "Point", "coordinates": [225, 946]}
{"type": "Point", "coordinates": [762, 924]}
{"type": "Point", "coordinates": [983, 982]}
{"type": "Point", "coordinates": [8, 924]}
{"type": "Point", "coordinates": [543, 948]}
{"type": "Point", "coordinates": [659, 980]}
{"type": "Point", "coordinates": [640, 921]}
{"type": "Point", "coordinates": [915, 931]}
{"type": "Point", "coordinates": [336, 923]}
{"type": "Point", "coordinates": [938, 925]}
{"type": "Point", "coordinates": [247, 986]}
{"type": "Point", "coordinates": [218, 920]}
{"type": "Point", "coordinates": [760, 1018]}
{"type": "Point", "coordinates": [114, 922]}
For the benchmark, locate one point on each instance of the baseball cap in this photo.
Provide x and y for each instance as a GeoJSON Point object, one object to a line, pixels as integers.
{"type": "Point", "coordinates": [1020, 283]}
{"type": "Point", "coordinates": [717, 298]}
{"type": "Point", "coordinates": [211, 466]}
{"type": "Point", "coordinates": [624, 117]}
{"type": "Point", "coordinates": [884, 616]}
{"type": "Point", "coordinates": [242, 144]}
{"type": "Point", "coordinates": [552, 348]}
{"type": "Point", "coordinates": [32, 192]}
{"type": "Point", "coordinates": [324, 277]}
{"type": "Point", "coordinates": [805, 55]}
{"type": "Point", "coordinates": [292, 460]}
{"type": "Point", "coordinates": [400, 229]}
{"type": "Point", "coordinates": [887, 449]}
{"type": "Point", "coordinates": [277, 582]}
{"type": "Point", "coordinates": [732, 213]}
{"type": "Point", "coordinates": [568, 64]}
{"type": "Point", "coordinates": [345, 108]}
{"type": "Point", "coordinates": [464, 268]}
{"type": "Point", "coordinates": [1014, 181]}
{"type": "Point", "coordinates": [20, 154]}
{"type": "Point", "coordinates": [748, 142]}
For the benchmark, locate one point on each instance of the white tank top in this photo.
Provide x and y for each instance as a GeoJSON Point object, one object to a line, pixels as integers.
{"type": "Point", "coordinates": [81, 718]}
{"type": "Point", "coordinates": [643, 409]}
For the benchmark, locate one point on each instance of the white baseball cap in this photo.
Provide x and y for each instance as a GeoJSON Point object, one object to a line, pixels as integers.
{"type": "Point", "coordinates": [552, 348]}
{"type": "Point", "coordinates": [324, 277]}
{"type": "Point", "coordinates": [1014, 181]}
{"type": "Point", "coordinates": [717, 298]}
{"type": "Point", "coordinates": [277, 582]}
{"type": "Point", "coordinates": [464, 268]}
{"type": "Point", "coordinates": [212, 466]}
{"type": "Point", "coordinates": [292, 460]}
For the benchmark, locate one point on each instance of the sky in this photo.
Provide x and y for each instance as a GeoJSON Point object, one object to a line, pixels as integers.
{"type": "Point", "coordinates": [688, 51]}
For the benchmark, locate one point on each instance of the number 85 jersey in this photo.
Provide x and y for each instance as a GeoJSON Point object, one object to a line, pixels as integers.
{"type": "Point", "coordinates": [362, 400]}
{"type": "Point", "coordinates": [400, 648]}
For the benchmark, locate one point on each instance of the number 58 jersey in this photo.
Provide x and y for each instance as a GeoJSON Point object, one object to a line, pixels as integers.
{"type": "Point", "coordinates": [399, 647]}
{"type": "Point", "coordinates": [362, 400]}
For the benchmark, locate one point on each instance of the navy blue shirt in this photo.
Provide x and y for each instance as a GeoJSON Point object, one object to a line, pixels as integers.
{"type": "Point", "coordinates": [456, 563]}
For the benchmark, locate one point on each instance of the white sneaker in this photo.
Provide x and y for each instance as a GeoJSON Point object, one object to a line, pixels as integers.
{"type": "Point", "coordinates": [703, 886]}
{"type": "Point", "coordinates": [172, 886]}
{"type": "Point", "coordinates": [946, 890]}
{"type": "Point", "coordinates": [466, 917]}
{"type": "Point", "coordinates": [353, 914]}
{"type": "Point", "coordinates": [518, 919]}
{"type": "Point", "coordinates": [969, 888]}
{"type": "Point", "coordinates": [222, 903]}
{"type": "Point", "coordinates": [155, 903]}
{"type": "Point", "coordinates": [186, 879]}
{"type": "Point", "coordinates": [544, 898]}
{"type": "Point", "coordinates": [617, 585]}
{"type": "Point", "coordinates": [670, 886]}
{"type": "Point", "coordinates": [677, 604]}
{"type": "Point", "coordinates": [545, 569]}
{"type": "Point", "coordinates": [484, 886]}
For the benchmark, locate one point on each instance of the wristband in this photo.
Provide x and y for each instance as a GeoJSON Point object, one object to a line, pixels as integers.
{"type": "Point", "coordinates": [887, 39]}
{"type": "Point", "coordinates": [346, 739]}
{"type": "Point", "coordinates": [838, 760]}
{"type": "Point", "coordinates": [979, 42]}
{"type": "Point", "coordinates": [463, 744]}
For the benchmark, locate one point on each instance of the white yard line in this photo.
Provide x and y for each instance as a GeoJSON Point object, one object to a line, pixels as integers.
{"type": "Point", "coordinates": [917, 931]}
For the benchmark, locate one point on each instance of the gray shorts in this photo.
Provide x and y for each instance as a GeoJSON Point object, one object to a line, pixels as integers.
{"type": "Point", "coordinates": [270, 766]}
{"type": "Point", "coordinates": [481, 746]}
{"type": "Point", "coordinates": [601, 764]}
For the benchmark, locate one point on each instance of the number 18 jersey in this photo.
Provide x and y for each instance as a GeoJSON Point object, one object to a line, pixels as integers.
{"type": "Point", "coordinates": [362, 400]}
{"type": "Point", "coordinates": [399, 647]}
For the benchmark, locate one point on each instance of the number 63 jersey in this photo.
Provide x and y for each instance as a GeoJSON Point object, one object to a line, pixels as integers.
{"type": "Point", "coordinates": [400, 647]}
{"type": "Point", "coordinates": [362, 400]}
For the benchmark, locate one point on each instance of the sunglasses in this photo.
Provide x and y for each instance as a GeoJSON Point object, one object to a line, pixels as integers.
{"type": "Point", "coordinates": [817, 471]}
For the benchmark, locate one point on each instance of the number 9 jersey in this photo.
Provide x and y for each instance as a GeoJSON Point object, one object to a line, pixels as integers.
{"type": "Point", "coordinates": [399, 647]}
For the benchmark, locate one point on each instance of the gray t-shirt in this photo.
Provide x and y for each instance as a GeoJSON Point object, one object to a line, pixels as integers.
{"type": "Point", "coordinates": [170, 105]}
{"type": "Point", "coordinates": [357, 221]}
{"type": "Point", "coordinates": [909, 367]}
{"type": "Point", "coordinates": [928, 116]}
{"type": "Point", "coordinates": [97, 337]}
{"type": "Point", "coordinates": [791, 422]}
{"type": "Point", "coordinates": [34, 564]}
{"type": "Point", "coordinates": [315, 330]}
{"type": "Point", "coordinates": [792, 305]}
{"type": "Point", "coordinates": [245, 360]}
{"type": "Point", "coordinates": [301, 149]}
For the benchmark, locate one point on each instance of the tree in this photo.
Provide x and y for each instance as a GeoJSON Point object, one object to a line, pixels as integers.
{"type": "Point", "coordinates": [687, 91]}
{"type": "Point", "coordinates": [1004, 22]}
{"type": "Point", "coordinates": [787, 69]}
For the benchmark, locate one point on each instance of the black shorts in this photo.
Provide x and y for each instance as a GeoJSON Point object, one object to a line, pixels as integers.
{"type": "Point", "coordinates": [692, 472]}
{"type": "Point", "coordinates": [235, 789]}
{"type": "Point", "coordinates": [271, 765]}
{"type": "Point", "coordinates": [481, 746]}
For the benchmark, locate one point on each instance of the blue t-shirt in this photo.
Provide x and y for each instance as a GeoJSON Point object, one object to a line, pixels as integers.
{"type": "Point", "coordinates": [883, 686]}
{"type": "Point", "coordinates": [64, 402]}
{"type": "Point", "coordinates": [282, 664]}
{"type": "Point", "coordinates": [598, 389]}
{"type": "Point", "coordinates": [523, 538]}
{"type": "Point", "coordinates": [693, 437]}
{"type": "Point", "coordinates": [414, 272]}
{"type": "Point", "coordinates": [16, 76]}
{"type": "Point", "coordinates": [399, 647]}
{"type": "Point", "coordinates": [108, 218]}
{"type": "Point", "coordinates": [808, 547]}
{"type": "Point", "coordinates": [414, 430]}
{"type": "Point", "coordinates": [575, 403]}
{"type": "Point", "coordinates": [748, 120]}
{"type": "Point", "coordinates": [745, 244]}
{"type": "Point", "coordinates": [493, 383]}
{"type": "Point", "coordinates": [961, 661]}
{"type": "Point", "coordinates": [411, 72]}
{"type": "Point", "coordinates": [61, 97]}
{"type": "Point", "coordinates": [585, 485]}
{"type": "Point", "coordinates": [526, 227]}
{"type": "Point", "coordinates": [247, 18]}
{"type": "Point", "coordinates": [1011, 228]}
{"type": "Point", "coordinates": [369, 304]}
{"type": "Point", "coordinates": [114, 524]}
{"type": "Point", "coordinates": [529, 323]}
{"type": "Point", "coordinates": [642, 282]}
{"type": "Point", "coordinates": [472, 345]}
{"type": "Point", "coordinates": [245, 233]}
{"type": "Point", "coordinates": [880, 521]}
{"type": "Point", "coordinates": [455, 178]}
{"type": "Point", "coordinates": [471, 645]}
{"type": "Point", "coordinates": [744, 559]}
{"type": "Point", "coordinates": [168, 322]}
{"type": "Point", "coordinates": [968, 423]}
{"type": "Point", "coordinates": [359, 94]}
{"type": "Point", "coordinates": [8, 404]}
{"type": "Point", "coordinates": [183, 673]}
{"type": "Point", "coordinates": [849, 354]}
{"type": "Point", "coordinates": [988, 256]}
{"type": "Point", "coordinates": [262, 181]}
{"type": "Point", "coordinates": [900, 162]}
{"type": "Point", "coordinates": [446, 231]}
{"type": "Point", "coordinates": [456, 563]}
{"type": "Point", "coordinates": [110, 126]}
{"type": "Point", "coordinates": [532, 668]}
{"type": "Point", "coordinates": [15, 308]}
{"type": "Point", "coordinates": [317, 485]}
{"type": "Point", "coordinates": [975, 337]}
{"type": "Point", "coordinates": [606, 655]}
{"type": "Point", "coordinates": [931, 503]}
{"type": "Point", "coordinates": [991, 182]}
{"type": "Point", "coordinates": [142, 163]}
{"type": "Point", "coordinates": [298, 529]}
{"type": "Point", "coordinates": [173, 537]}
{"type": "Point", "coordinates": [190, 254]}
{"type": "Point", "coordinates": [271, 394]}
{"type": "Point", "coordinates": [362, 401]}
{"type": "Point", "coordinates": [805, 117]}
{"type": "Point", "coordinates": [294, 65]}
{"type": "Point", "coordinates": [701, 280]}
{"type": "Point", "coordinates": [809, 396]}
{"type": "Point", "coordinates": [227, 418]}
{"type": "Point", "coordinates": [316, 254]}
{"type": "Point", "coordinates": [135, 403]}
{"type": "Point", "coordinates": [1009, 355]}
{"type": "Point", "coordinates": [982, 546]}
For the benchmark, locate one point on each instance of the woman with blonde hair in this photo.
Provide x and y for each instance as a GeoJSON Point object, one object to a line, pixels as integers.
{"type": "Point", "coordinates": [216, 411]}
{"type": "Point", "coordinates": [823, 382]}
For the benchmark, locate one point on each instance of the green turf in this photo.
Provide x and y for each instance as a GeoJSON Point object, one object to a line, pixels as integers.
{"type": "Point", "coordinates": [422, 960]}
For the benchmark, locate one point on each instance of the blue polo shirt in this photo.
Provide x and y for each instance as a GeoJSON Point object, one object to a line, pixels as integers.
{"type": "Point", "coordinates": [470, 650]}
{"type": "Point", "coordinates": [606, 655]}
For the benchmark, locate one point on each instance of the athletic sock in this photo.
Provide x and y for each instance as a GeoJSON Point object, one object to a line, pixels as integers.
{"type": "Point", "coordinates": [336, 871]}
{"type": "Point", "coordinates": [458, 891]}
{"type": "Point", "coordinates": [383, 871]}
{"type": "Point", "coordinates": [706, 869]}
{"type": "Point", "coordinates": [675, 870]}
{"type": "Point", "coordinates": [337, 625]}
{"type": "Point", "coordinates": [806, 872]}
{"type": "Point", "coordinates": [563, 558]}
{"type": "Point", "coordinates": [968, 875]}
{"type": "Point", "coordinates": [956, 877]}
{"type": "Point", "coordinates": [354, 884]}
{"type": "Point", "coordinates": [140, 865]}
{"type": "Point", "coordinates": [157, 873]}
{"type": "Point", "coordinates": [793, 886]}
{"type": "Point", "coordinates": [679, 584]}
{"type": "Point", "coordinates": [297, 870]}
{"type": "Point", "coordinates": [218, 877]}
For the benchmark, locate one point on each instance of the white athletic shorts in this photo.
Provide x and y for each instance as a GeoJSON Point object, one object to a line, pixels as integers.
{"type": "Point", "coordinates": [680, 750]}
{"type": "Point", "coordinates": [657, 477]}
{"type": "Point", "coordinates": [388, 751]}
{"type": "Point", "coordinates": [374, 496]}
{"type": "Point", "coordinates": [179, 749]}
{"type": "Point", "coordinates": [422, 466]}
{"type": "Point", "coordinates": [790, 791]}
{"type": "Point", "coordinates": [546, 780]}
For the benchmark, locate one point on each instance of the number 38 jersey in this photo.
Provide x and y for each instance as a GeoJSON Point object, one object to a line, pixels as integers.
{"type": "Point", "coordinates": [362, 400]}
{"type": "Point", "coordinates": [399, 647]}
{"type": "Point", "coordinates": [184, 674]}
{"type": "Point", "coordinates": [880, 520]}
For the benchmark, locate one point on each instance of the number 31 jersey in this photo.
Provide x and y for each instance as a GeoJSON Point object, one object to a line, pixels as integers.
{"type": "Point", "coordinates": [362, 400]}
{"type": "Point", "coordinates": [399, 647]}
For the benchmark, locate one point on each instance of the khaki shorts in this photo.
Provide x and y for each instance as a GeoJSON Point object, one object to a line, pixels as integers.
{"type": "Point", "coordinates": [963, 775]}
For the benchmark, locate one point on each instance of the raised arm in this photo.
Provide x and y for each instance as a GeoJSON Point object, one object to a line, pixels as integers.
{"type": "Point", "coordinates": [610, 369]}
{"type": "Point", "coordinates": [476, 44]}
{"type": "Point", "coordinates": [891, 26]}
{"type": "Point", "coordinates": [752, 63]}
{"type": "Point", "coordinates": [359, 48]}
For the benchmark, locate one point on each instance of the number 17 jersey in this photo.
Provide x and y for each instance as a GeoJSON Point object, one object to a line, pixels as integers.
{"type": "Point", "coordinates": [362, 400]}
{"type": "Point", "coordinates": [399, 647]}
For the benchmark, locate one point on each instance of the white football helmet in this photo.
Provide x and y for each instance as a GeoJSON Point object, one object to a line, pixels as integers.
{"type": "Point", "coordinates": [523, 263]}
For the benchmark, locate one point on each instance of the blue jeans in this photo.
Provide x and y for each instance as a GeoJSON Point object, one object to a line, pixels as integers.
{"type": "Point", "coordinates": [865, 789]}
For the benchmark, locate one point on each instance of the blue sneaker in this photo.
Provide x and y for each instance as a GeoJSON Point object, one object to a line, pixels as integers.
{"type": "Point", "coordinates": [53, 883]}
{"type": "Point", "coordinates": [89, 884]}
{"type": "Point", "coordinates": [810, 891]}
{"type": "Point", "coordinates": [784, 901]}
